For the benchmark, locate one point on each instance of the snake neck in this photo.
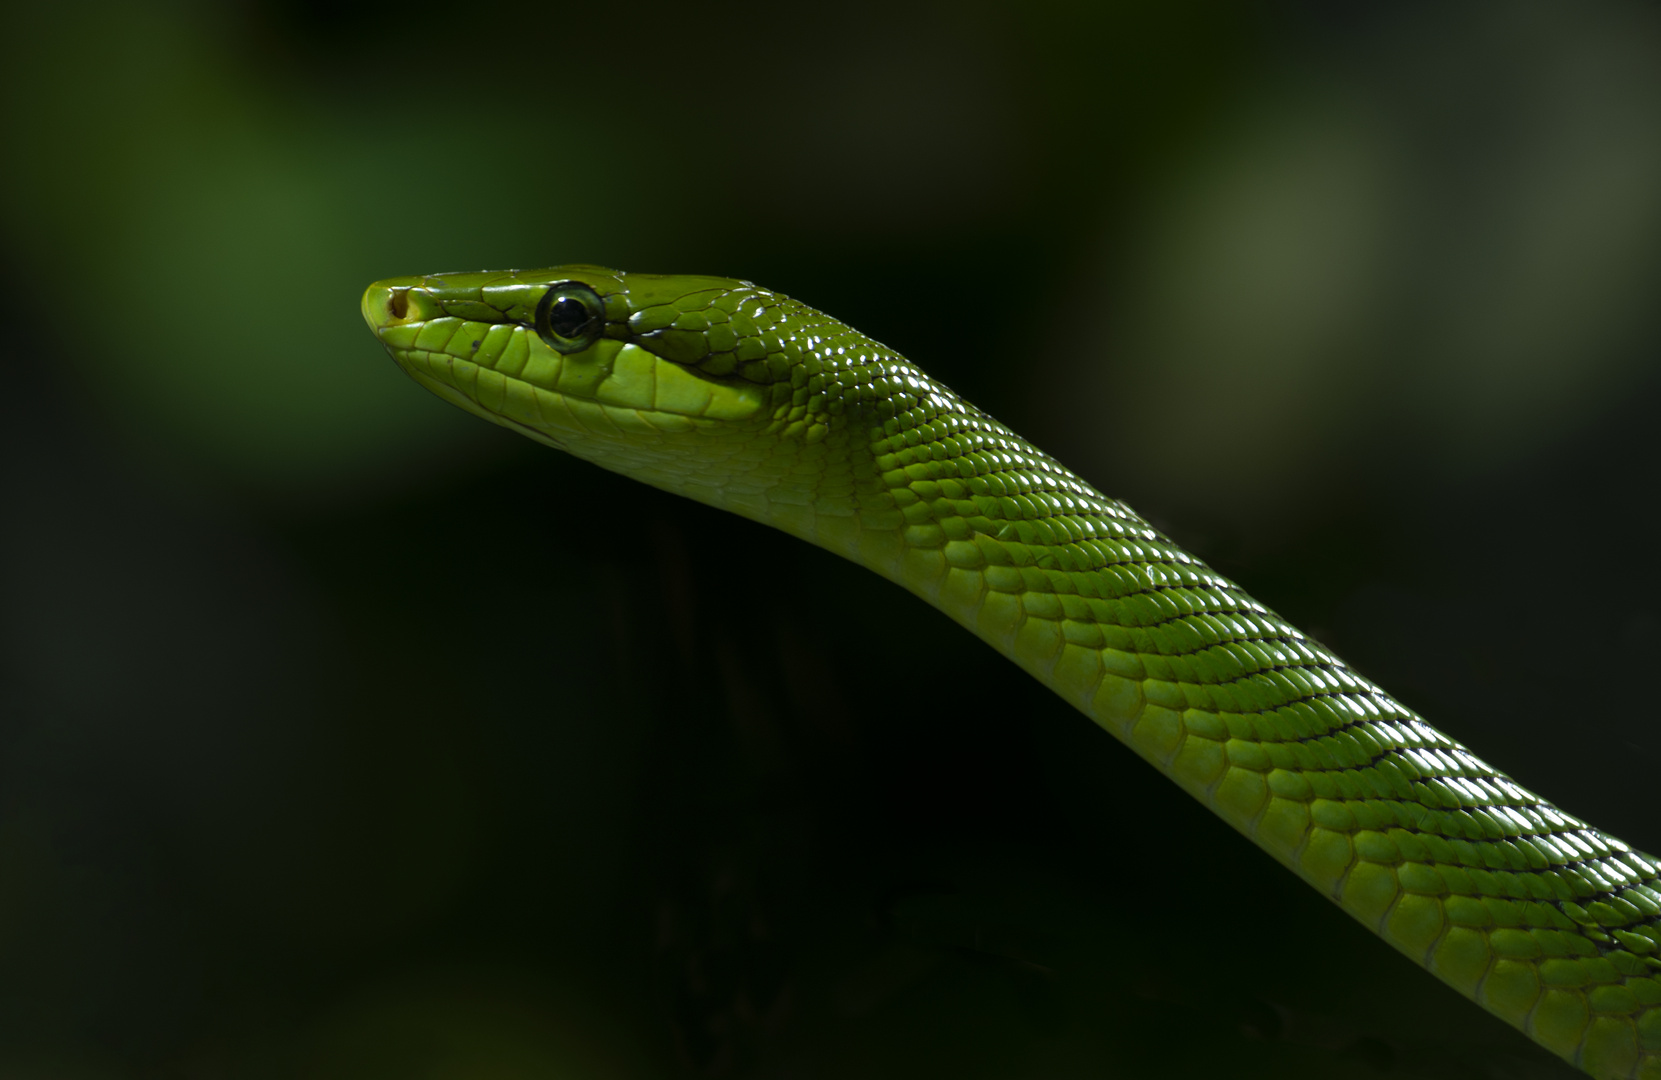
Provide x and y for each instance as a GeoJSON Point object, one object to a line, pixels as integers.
{"type": "Point", "coordinates": [1547, 922]}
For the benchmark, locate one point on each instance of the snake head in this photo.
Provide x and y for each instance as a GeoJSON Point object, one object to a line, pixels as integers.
{"type": "Point", "coordinates": [710, 387]}
{"type": "Point", "coordinates": [590, 359]}
{"type": "Point", "coordinates": [573, 354]}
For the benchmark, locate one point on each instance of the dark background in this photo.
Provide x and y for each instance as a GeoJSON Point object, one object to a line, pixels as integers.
{"type": "Point", "coordinates": [342, 735]}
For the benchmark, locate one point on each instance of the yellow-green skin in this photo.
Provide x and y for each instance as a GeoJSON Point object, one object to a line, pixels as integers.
{"type": "Point", "coordinates": [750, 401]}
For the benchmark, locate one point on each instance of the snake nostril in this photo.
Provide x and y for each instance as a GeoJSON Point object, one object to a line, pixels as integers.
{"type": "Point", "coordinates": [398, 303]}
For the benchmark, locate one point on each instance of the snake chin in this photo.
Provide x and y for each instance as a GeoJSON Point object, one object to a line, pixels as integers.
{"type": "Point", "coordinates": [535, 433]}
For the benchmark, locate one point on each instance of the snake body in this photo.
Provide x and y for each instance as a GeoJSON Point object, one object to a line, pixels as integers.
{"type": "Point", "coordinates": [753, 402]}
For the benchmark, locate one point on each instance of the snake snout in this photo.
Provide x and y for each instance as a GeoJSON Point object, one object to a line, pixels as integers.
{"type": "Point", "coordinates": [394, 302]}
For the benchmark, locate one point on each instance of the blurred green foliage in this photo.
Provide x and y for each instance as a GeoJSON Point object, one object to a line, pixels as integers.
{"type": "Point", "coordinates": [342, 735]}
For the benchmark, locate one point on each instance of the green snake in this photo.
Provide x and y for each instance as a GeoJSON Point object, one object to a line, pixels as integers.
{"type": "Point", "coordinates": [750, 401]}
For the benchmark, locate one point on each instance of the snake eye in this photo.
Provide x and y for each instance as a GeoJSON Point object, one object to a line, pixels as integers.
{"type": "Point", "coordinates": [570, 317]}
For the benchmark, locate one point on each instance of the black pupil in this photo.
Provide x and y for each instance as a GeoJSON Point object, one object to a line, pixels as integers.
{"type": "Point", "coordinates": [568, 318]}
